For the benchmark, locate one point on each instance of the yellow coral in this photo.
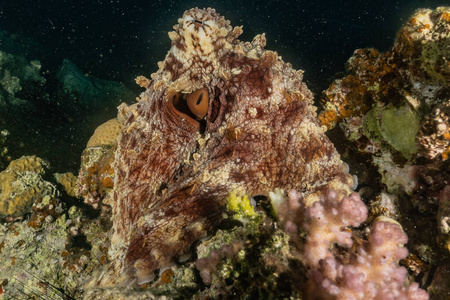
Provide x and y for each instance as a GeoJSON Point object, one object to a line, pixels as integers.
{"type": "Point", "coordinates": [68, 181]}
{"type": "Point", "coordinates": [241, 206]}
{"type": "Point", "coordinates": [106, 133]}
{"type": "Point", "coordinates": [21, 184]}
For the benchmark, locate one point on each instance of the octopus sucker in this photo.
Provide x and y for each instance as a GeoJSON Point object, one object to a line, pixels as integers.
{"type": "Point", "coordinates": [220, 115]}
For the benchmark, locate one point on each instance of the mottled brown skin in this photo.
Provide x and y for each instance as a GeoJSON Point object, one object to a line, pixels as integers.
{"type": "Point", "coordinates": [173, 172]}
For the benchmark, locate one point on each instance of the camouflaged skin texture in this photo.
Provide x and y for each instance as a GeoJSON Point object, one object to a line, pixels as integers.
{"type": "Point", "coordinates": [219, 115]}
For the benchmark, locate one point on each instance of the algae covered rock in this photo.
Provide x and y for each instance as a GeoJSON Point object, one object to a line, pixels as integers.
{"type": "Point", "coordinates": [45, 255]}
{"type": "Point", "coordinates": [49, 245]}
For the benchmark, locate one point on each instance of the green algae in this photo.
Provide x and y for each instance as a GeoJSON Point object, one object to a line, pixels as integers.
{"type": "Point", "coordinates": [396, 126]}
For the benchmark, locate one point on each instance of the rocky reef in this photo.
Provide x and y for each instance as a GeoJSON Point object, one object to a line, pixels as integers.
{"type": "Point", "coordinates": [391, 110]}
{"type": "Point", "coordinates": [223, 182]}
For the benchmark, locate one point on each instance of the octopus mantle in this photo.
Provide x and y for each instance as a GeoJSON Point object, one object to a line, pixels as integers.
{"type": "Point", "coordinates": [219, 115]}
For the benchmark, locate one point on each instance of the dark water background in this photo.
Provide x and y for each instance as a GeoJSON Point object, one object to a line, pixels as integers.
{"type": "Point", "coordinates": [121, 39]}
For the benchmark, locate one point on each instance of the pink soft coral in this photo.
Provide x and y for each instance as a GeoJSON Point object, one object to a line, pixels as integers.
{"type": "Point", "coordinates": [371, 273]}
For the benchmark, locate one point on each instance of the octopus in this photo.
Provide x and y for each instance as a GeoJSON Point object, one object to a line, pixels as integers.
{"type": "Point", "coordinates": [220, 115]}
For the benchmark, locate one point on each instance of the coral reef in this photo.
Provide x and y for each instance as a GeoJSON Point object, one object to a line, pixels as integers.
{"type": "Point", "coordinates": [106, 134]}
{"type": "Point", "coordinates": [413, 72]}
{"type": "Point", "coordinates": [48, 247]}
{"type": "Point", "coordinates": [392, 110]}
{"type": "Point", "coordinates": [222, 177]}
{"type": "Point", "coordinates": [253, 260]}
{"type": "Point", "coordinates": [43, 257]}
{"type": "Point", "coordinates": [397, 101]}
{"type": "Point", "coordinates": [370, 272]}
{"type": "Point", "coordinates": [397, 106]}
{"type": "Point", "coordinates": [68, 181]}
{"type": "Point", "coordinates": [21, 183]}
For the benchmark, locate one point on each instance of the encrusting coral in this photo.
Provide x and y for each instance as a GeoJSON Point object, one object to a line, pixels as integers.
{"type": "Point", "coordinates": [21, 183]}
{"type": "Point", "coordinates": [106, 134]}
{"type": "Point", "coordinates": [68, 181]}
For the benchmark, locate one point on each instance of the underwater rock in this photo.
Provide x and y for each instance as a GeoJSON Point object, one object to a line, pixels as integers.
{"type": "Point", "coordinates": [440, 287]}
{"type": "Point", "coordinates": [86, 91]}
{"type": "Point", "coordinates": [393, 107]}
{"type": "Point", "coordinates": [443, 217]}
{"type": "Point", "coordinates": [42, 257]}
{"type": "Point", "coordinates": [415, 71]}
{"type": "Point", "coordinates": [433, 139]}
{"type": "Point", "coordinates": [96, 178]}
{"type": "Point", "coordinates": [16, 73]}
{"type": "Point", "coordinates": [21, 45]}
{"type": "Point", "coordinates": [220, 115]}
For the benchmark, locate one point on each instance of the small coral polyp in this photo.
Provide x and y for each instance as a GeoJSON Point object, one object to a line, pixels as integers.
{"type": "Point", "coordinates": [220, 115]}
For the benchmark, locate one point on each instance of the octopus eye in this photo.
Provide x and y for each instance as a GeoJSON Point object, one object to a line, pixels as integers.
{"type": "Point", "coordinates": [198, 103]}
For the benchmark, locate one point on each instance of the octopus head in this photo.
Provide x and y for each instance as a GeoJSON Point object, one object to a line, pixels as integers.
{"type": "Point", "coordinates": [200, 31]}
